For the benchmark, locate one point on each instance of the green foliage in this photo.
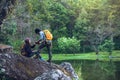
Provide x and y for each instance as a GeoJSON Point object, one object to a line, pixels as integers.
{"type": "Point", "coordinates": [8, 32]}
{"type": "Point", "coordinates": [63, 17]}
{"type": "Point", "coordinates": [3, 37]}
{"type": "Point", "coordinates": [69, 45]}
{"type": "Point", "coordinates": [17, 44]}
{"type": "Point", "coordinates": [107, 46]}
{"type": "Point", "coordinates": [81, 27]}
{"type": "Point", "coordinates": [11, 28]}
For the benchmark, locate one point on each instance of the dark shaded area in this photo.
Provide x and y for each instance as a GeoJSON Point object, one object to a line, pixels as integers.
{"type": "Point", "coordinates": [117, 72]}
{"type": "Point", "coordinates": [85, 46]}
{"type": "Point", "coordinates": [116, 40]}
{"type": "Point", "coordinates": [6, 77]}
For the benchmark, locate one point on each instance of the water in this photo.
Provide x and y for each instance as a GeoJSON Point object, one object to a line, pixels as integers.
{"type": "Point", "coordinates": [95, 70]}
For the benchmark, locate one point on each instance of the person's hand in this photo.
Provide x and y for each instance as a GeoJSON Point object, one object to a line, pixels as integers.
{"type": "Point", "coordinates": [37, 42]}
{"type": "Point", "coordinates": [34, 44]}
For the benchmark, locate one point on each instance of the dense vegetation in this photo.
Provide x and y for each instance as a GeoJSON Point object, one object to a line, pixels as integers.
{"type": "Point", "coordinates": [75, 24]}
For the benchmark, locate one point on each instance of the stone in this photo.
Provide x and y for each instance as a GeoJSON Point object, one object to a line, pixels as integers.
{"type": "Point", "coordinates": [18, 67]}
{"type": "Point", "coordinates": [54, 74]}
{"type": "Point", "coordinates": [64, 71]}
{"type": "Point", "coordinates": [68, 67]}
{"type": "Point", "coordinates": [5, 48]}
{"type": "Point", "coordinates": [21, 68]}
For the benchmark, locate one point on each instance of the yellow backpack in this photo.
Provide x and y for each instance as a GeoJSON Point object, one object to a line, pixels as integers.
{"type": "Point", "coordinates": [48, 34]}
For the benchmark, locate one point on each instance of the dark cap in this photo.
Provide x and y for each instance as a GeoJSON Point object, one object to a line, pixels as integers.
{"type": "Point", "coordinates": [37, 30]}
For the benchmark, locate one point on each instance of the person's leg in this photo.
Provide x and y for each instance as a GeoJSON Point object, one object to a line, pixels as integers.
{"type": "Point", "coordinates": [37, 56]}
{"type": "Point", "coordinates": [42, 45]}
{"type": "Point", "coordinates": [49, 46]}
{"type": "Point", "coordinates": [30, 55]}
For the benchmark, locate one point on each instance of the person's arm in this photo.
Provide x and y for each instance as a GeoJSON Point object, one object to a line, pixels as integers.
{"type": "Point", "coordinates": [42, 36]}
{"type": "Point", "coordinates": [33, 45]}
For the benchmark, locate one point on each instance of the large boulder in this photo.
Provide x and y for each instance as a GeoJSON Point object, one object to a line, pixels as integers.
{"type": "Point", "coordinates": [18, 67]}
{"type": "Point", "coordinates": [67, 73]}
{"type": "Point", "coordinates": [21, 68]}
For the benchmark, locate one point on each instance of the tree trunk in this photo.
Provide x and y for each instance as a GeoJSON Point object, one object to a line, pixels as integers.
{"type": "Point", "coordinates": [6, 7]}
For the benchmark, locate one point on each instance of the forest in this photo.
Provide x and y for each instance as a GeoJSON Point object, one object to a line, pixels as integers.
{"type": "Point", "coordinates": [76, 25]}
{"type": "Point", "coordinates": [80, 28]}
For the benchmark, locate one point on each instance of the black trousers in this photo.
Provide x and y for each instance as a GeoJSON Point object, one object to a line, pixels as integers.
{"type": "Point", "coordinates": [48, 45]}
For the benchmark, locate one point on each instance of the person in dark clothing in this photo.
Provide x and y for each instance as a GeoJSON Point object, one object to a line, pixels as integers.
{"type": "Point", "coordinates": [27, 49]}
{"type": "Point", "coordinates": [43, 42]}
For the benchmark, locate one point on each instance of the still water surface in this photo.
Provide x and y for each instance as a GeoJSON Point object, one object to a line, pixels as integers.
{"type": "Point", "coordinates": [96, 70]}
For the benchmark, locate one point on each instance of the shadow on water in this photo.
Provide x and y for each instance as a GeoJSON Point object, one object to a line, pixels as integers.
{"type": "Point", "coordinates": [95, 70]}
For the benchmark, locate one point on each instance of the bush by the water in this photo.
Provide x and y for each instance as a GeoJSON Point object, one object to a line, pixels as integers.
{"type": "Point", "coordinates": [69, 45]}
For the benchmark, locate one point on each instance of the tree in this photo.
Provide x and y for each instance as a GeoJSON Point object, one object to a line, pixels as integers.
{"type": "Point", "coordinates": [6, 7]}
{"type": "Point", "coordinates": [66, 18]}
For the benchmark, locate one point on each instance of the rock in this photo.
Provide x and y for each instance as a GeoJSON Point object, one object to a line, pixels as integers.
{"type": "Point", "coordinates": [69, 69]}
{"type": "Point", "coordinates": [5, 48]}
{"type": "Point", "coordinates": [21, 68]}
{"type": "Point", "coordinates": [64, 71]}
{"type": "Point", "coordinates": [17, 67]}
{"type": "Point", "coordinates": [54, 74]}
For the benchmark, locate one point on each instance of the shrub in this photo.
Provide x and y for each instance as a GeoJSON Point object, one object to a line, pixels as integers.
{"type": "Point", "coordinates": [3, 37]}
{"type": "Point", "coordinates": [69, 45]}
{"type": "Point", "coordinates": [107, 46]}
{"type": "Point", "coordinates": [16, 44]}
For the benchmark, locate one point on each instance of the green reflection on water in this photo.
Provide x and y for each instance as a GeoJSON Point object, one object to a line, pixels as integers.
{"type": "Point", "coordinates": [95, 70]}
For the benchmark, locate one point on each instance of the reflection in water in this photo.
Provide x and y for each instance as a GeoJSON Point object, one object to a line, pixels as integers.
{"type": "Point", "coordinates": [96, 70]}
{"type": "Point", "coordinates": [117, 72]}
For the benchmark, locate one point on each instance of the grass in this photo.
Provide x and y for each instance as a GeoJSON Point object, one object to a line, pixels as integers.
{"type": "Point", "coordinates": [104, 56]}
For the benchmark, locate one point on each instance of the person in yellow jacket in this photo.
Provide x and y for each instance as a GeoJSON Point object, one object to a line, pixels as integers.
{"type": "Point", "coordinates": [44, 42]}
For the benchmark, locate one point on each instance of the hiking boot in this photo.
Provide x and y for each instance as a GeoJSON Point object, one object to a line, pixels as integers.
{"type": "Point", "coordinates": [41, 59]}
{"type": "Point", "coordinates": [49, 61]}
